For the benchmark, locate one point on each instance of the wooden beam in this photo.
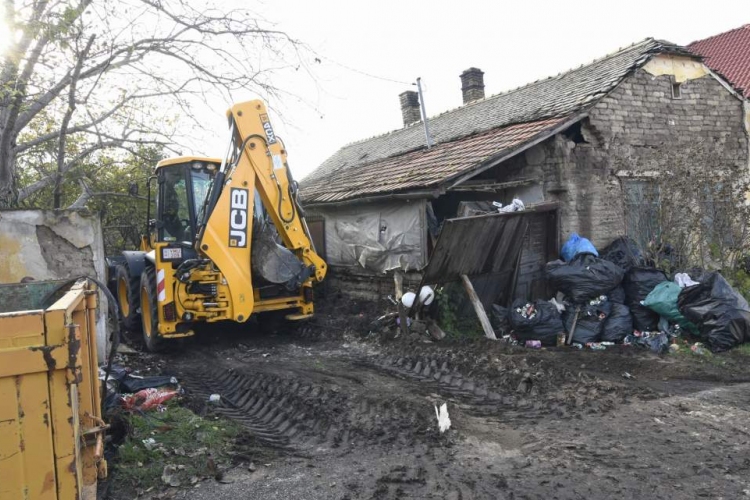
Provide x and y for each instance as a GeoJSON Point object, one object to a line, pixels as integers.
{"type": "Point", "coordinates": [478, 308]}
{"type": "Point", "coordinates": [398, 279]}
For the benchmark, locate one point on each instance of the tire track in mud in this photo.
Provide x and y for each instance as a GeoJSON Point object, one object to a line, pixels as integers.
{"type": "Point", "coordinates": [290, 413]}
{"type": "Point", "coordinates": [517, 391]}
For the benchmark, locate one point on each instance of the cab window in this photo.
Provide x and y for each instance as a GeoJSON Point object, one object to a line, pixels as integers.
{"type": "Point", "coordinates": [174, 208]}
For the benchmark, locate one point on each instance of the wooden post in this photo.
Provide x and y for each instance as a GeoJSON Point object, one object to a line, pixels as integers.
{"type": "Point", "coordinates": [398, 279]}
{"type": "Point", "coordinates": [478, 308]}
{"type": "Point", "coordinates": [573, 328]}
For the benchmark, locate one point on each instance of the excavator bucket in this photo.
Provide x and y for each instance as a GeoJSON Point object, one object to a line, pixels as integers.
{"type": "Point", "coordinates": [274, 263]}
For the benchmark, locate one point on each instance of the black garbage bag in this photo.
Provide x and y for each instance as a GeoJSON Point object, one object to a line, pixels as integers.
{"type": "Point", "coordinates": [721, 314]}
{"type": "Point", "coordinates": [624, 252]}
{"type": "Point", "coordinates": [538, 320]}
{"type": "Point", "coordinates": [617, 295]}
{"type": "Point", "coordinates": [499, 318]}
{"type": "Point", "coordinates": [583, 278]}
{"type": "Point", "coordinates": [658, 343]}
{"type": "Point", "coordinates": [131, 384]}
{"type": "Point", "coordinates": [592, 317]}
{"type": "Point", "coordinates": [638, 283]}
{"type": "Point", "coordinates": [619, 323]}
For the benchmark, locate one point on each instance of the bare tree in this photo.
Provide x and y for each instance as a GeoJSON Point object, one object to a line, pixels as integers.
{"type": "Point", "coordinates": [84, 76]}
{"type": "Point", "coordinates": [694, 211]}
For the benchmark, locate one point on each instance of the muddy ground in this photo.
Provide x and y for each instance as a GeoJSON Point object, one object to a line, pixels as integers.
{"type": "Point", "coordinates": [333, 413]}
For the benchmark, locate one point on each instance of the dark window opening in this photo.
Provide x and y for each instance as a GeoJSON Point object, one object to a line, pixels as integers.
{"type": "Point", "coordinates": [676, 90]}
{"type": "Point", "coordinates": [573, 133]}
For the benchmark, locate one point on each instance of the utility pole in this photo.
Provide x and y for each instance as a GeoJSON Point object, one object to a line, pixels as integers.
{"type": "Point", "coordinates": [424, 114]}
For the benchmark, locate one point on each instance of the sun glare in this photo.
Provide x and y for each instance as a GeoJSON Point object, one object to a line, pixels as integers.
{"type": "Point", "coordinates": [4, 37]}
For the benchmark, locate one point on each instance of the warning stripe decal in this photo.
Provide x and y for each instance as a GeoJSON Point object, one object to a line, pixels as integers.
{"type": "Point", "coordinates": [160, 286]}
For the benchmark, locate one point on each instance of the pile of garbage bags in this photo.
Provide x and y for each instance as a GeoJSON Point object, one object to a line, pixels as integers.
{"type": "Point", "coordinates": [615, 296]}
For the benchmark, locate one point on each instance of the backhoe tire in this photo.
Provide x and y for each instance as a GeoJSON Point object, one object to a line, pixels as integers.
{"type": "Point", "coordinates": [149, 311]}
{"type": "Point", "coordinates": [128, 299]}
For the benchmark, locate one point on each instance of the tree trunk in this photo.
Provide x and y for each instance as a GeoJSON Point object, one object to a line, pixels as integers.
{"type": "Point", "coordinates": [7, 177]}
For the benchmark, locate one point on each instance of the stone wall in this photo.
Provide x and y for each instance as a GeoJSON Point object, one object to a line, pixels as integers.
{"type": "Point", "coordinates": [634, 131]}
{"type": "Point", "coordinates": [54, 245]}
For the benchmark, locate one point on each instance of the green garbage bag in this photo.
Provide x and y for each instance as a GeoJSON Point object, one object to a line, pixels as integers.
{"type": "Point", "coordinates": [663, 301]}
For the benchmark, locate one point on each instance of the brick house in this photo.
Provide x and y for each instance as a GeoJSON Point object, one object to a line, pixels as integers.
{"type": "Point", "coordinates": [558, 144]}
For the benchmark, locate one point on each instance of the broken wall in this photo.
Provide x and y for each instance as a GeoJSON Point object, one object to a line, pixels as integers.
{"type": "Point", "coordinates": [53, 245]}
{"type": "Point", "coordinates": [631, 132]}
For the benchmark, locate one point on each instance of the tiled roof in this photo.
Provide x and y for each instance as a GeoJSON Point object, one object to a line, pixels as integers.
{"type": "Point", "coordinates": [729, 55]}
{"type": "Point", "coordinates": [365, 168]}
{"type": "Point", "coordinates": [424, 168]}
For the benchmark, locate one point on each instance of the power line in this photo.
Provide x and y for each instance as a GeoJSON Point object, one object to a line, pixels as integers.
{"type": "Point", "coordinates": [370, 75]}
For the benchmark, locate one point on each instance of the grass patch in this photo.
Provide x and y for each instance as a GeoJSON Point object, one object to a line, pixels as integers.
{"type": "Point", "coordinates": [706, 357]}
{"type": "Point", "coordinates": [181, 439]}
{"type": "Point", "coordinates": [742, 350]}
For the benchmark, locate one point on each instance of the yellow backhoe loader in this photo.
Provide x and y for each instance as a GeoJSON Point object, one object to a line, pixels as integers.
{"type": "Point", "coordinates": [229, 239]}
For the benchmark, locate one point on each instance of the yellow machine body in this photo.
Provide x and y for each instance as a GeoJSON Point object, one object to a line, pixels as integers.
{"type": "Point", "coordinates": [223, 273]}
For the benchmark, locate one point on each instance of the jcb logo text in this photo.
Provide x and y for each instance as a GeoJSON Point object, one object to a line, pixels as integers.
{"type": "Point", "coordinates": [238, 218]}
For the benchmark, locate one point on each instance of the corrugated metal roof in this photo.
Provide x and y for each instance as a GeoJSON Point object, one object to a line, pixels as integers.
{"type": "Point", "coordinates": [729, 55]}
{"type": "Point", "coordinates": [361, 168]}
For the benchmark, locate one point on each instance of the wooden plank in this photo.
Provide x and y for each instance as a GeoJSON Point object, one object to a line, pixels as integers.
{"type": "Point", "coordinates": [398, 279]}
{"type": "Point", "coordinates": [479, 308]}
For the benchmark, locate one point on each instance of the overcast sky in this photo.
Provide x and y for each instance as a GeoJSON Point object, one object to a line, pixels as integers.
{"type": "Point", "coordinates": [514, 43]}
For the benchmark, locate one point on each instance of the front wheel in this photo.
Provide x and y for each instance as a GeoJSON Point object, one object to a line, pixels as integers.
{"type": "Point", "coordinates": [149, 311]}
{"type": "Point", "coordinates": [127, 297]}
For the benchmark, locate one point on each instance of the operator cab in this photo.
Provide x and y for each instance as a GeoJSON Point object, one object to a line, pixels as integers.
{"type": "Point", "coordinates": [184, 183]}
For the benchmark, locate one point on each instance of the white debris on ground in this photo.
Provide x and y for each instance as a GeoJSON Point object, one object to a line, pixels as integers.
{"type": "Point", "coordinates": [444, 421]}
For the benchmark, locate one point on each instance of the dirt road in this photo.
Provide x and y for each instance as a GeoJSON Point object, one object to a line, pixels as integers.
{"type": "Point", "coordinates": [352, 418]}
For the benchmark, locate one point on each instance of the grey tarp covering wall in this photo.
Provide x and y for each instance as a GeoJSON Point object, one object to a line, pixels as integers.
{"type": "Point", "coordinates": [375, 236]}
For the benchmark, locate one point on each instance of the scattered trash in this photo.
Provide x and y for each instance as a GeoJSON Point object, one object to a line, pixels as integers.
{"type": "Point", "coordinates": [663, 301]}
{"type": "Point", "coordinates": [657, 342]}
{"type": "Point", "coordinates": [627, 376]}
{"type": "Point", "coordinates": [638, 283]}
{"type": "Point", "coordinates": [624, 252]}
{"type": "Point", "coordinates": [408, 299]}
{"type": "Point", "coordinates": [584, 277]}
{"type": "Point", "coordinates": [534, 344]}
{"type": "Point", "coordinates": [169, 476]}
{"type": "Point", "coordinates": [592, 317]}
{"type": "Point", "coordinates": [596, 346]}
{"type": "Point", "coordinates": [577, 345]}
{"type": "Point", "coordinates": [619, 324]}
{"type": "Point", "coordinates": [535, 321]}
{"type": "Point", "coordinates": [499, 318]}
{"type": "Point", "coordinates": [721, 314]}
{"type": "Point", "coordinates": [698, 348]}
{"type": "Point", "coordinates": [683, 280]}
{"type": "Point", "coordinates": [125, 349]}
{"type": "Point", "coordinates": [426, 295]}
{"type": "Point", "coordinates": [577, 245]}
{"type": "Point", "coordinates": [444, 421]}
{"type": "Point", "coordinates": [149, 443]}
{"type": "Point", "coordinates": [133, 383]}
{"type": "Point", "coordinates": [266, 354]}
{"type": "Point", "coordinates": [214, 398]}
{"type": "Point", "coordinates": [147, 399]}
{"type": "Point", "coordinates": [560, 306]}
{"type": "Point", "coordinates": [515, 206]}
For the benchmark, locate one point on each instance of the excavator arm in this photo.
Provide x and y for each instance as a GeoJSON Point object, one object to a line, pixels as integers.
{"type": "Point", "coordinates": [233, 238]}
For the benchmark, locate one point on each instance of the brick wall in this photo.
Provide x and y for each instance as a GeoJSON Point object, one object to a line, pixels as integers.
{"type": "Point", "coordinates": [635, 128]}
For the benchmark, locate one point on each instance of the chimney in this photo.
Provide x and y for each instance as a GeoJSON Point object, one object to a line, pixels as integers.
{"type": "Point", "coordinates": [472, 85]}
{"type": "Point", "coordinates": [409, 107]}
